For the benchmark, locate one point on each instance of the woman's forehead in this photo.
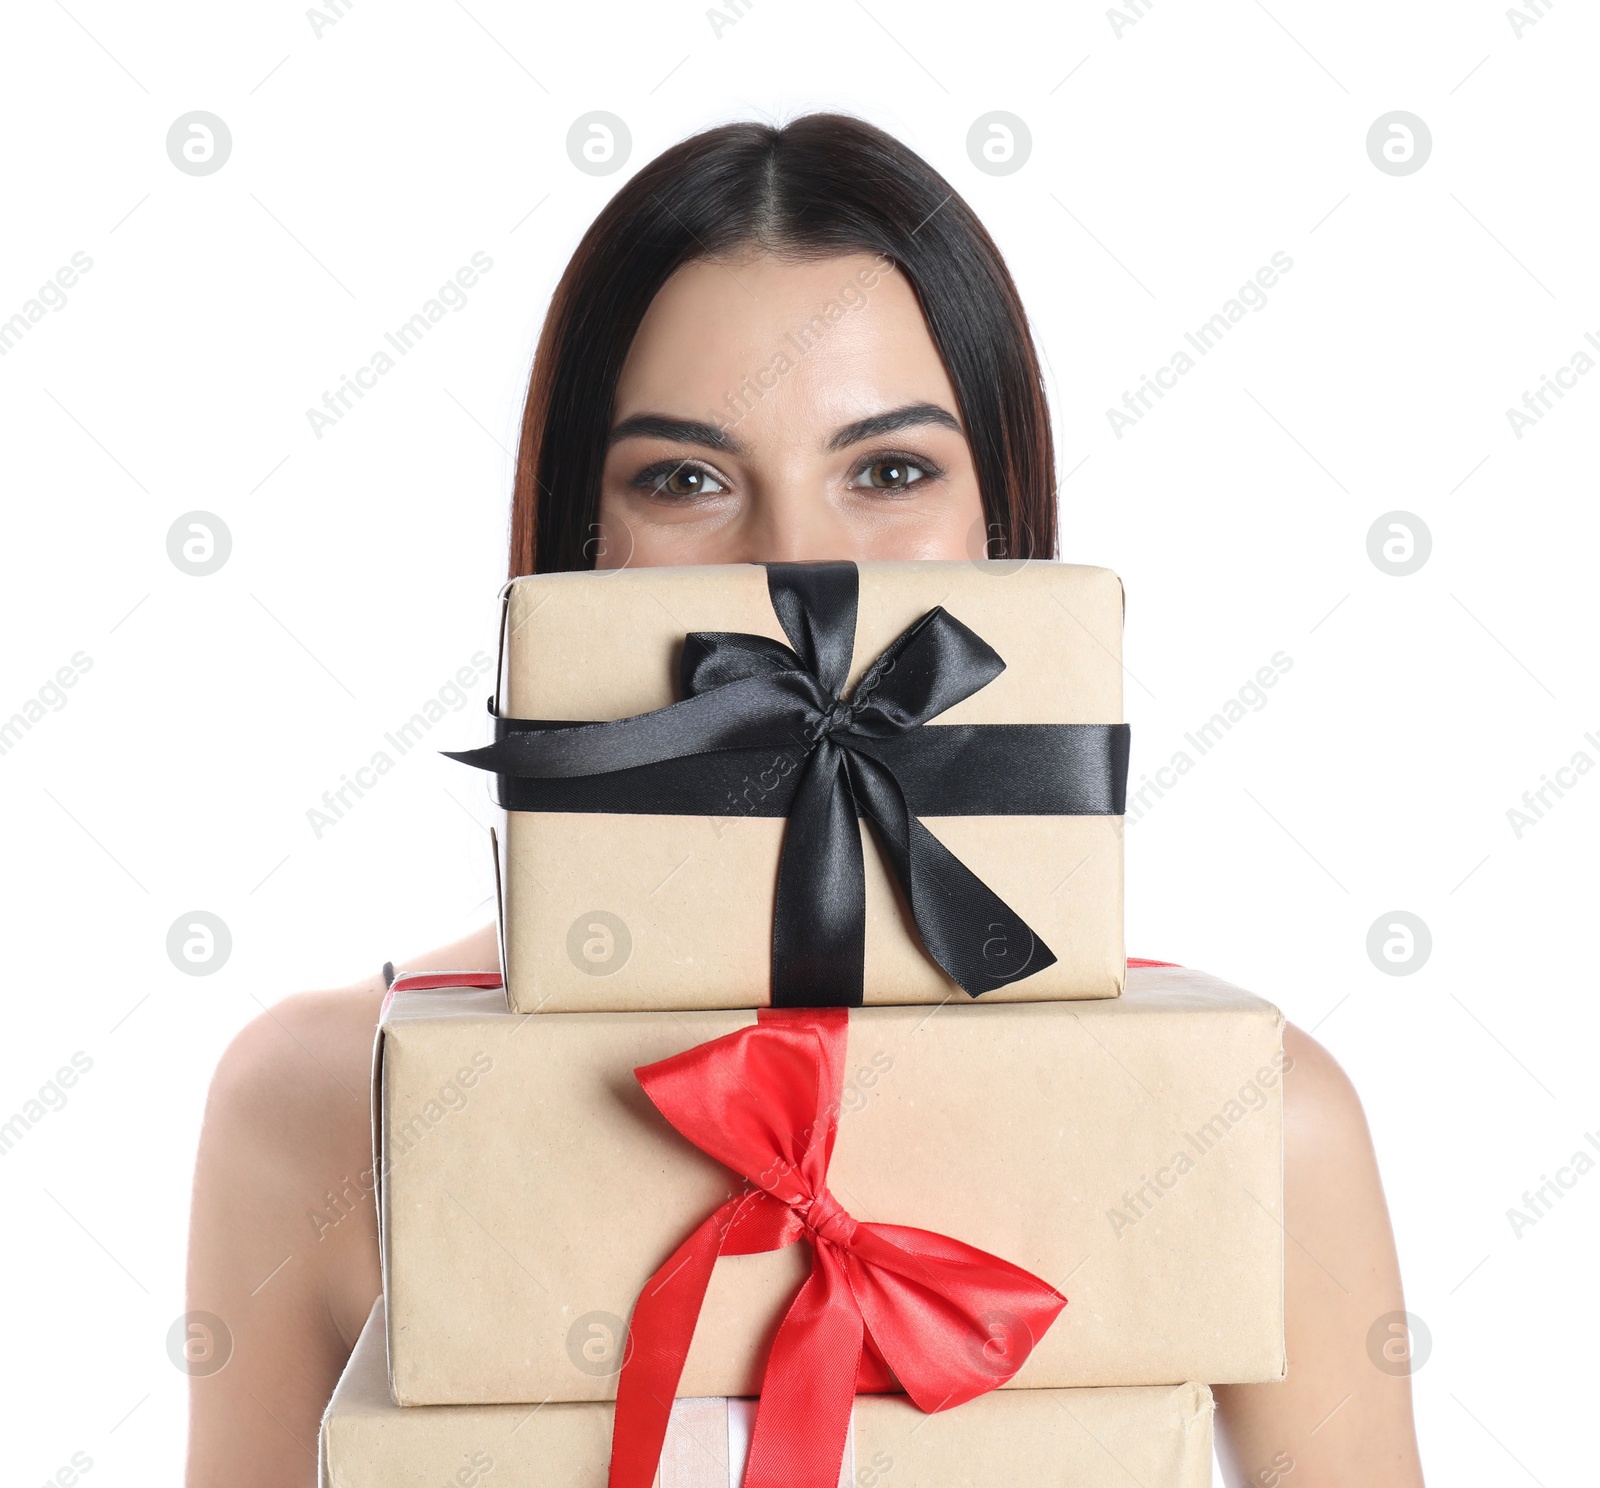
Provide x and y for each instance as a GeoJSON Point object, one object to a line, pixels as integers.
{"type": "Point", "coordinates": [772, 342]}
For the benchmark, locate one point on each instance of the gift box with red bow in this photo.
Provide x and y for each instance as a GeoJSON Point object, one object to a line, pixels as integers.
{"type": "Point", "coordinates": [935, 1200]}
{"type": "Point", "coordinates": [796, 784]}
{"type": "Point", "coordinates": [1158, 1436]}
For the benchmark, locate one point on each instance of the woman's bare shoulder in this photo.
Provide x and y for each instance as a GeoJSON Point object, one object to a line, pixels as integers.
{"type": "Point", "coordinates": [285, 1150]}
{"type": "Point", "coordinates": [1342, 1280]}
{"type": "Point", "coordinates": [283, 1242]}
{"type": "Point", "coordinates": [1322, 1111]}
{"type": "Point", "coordinates": [308, 1056]}
{"type": "Point", "coordinates": [298, 1062]}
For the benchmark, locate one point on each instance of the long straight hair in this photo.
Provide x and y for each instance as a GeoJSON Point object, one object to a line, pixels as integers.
{"type": "Point", "coordinates": [821, 186]}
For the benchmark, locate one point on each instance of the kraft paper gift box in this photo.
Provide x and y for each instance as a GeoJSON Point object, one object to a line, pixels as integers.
{"type": "Point", "coordinates": [1159, 1437]}
{"type": "Point", "coordinates": [657, 887]}
{"type": "Point", "coordinates": [1126, 1151]}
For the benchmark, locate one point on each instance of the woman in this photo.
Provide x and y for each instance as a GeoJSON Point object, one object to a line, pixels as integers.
{"type": "Point", "coordinates": [773, 344]}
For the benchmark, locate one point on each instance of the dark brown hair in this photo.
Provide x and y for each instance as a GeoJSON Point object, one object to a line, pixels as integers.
{"type": "Point", "coordinates": [823, 185]}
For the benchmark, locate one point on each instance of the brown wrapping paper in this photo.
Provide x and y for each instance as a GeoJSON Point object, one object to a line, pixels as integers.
{"type": "Point", "coordinates": [608, 912]}
{"type": "Point", "coordinates": [1128, 1151]}
{"type": "Point", "coordinates": [1158, 1437]}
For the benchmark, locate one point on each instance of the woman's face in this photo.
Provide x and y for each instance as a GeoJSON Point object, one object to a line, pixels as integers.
{"type": "Point", "coordinates": [781, 410]}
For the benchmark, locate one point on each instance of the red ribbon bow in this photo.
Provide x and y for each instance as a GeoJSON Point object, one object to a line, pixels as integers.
{"type": "Point", "coordinates": [885, 1307]}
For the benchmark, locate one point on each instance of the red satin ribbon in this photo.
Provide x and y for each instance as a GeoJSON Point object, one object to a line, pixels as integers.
{"type": "Point", "coordinates": [885, 1307]}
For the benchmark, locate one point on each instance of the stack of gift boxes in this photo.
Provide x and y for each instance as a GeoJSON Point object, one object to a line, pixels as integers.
{"type": "Point", "coordinates": [816, 1130]}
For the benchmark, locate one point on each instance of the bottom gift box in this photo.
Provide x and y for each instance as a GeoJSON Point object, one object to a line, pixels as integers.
{"type": "Point", "coordinates": [1158, 1436]}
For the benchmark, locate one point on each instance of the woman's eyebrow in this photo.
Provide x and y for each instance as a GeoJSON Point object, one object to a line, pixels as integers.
{"type": "Point", "coordinates": [909, 417]}
{"type": "Point", "coordinates": [685, 431]}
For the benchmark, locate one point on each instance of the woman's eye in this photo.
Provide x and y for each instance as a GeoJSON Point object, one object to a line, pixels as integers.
{"type": "Point", "coordinates": [685, 480]}
{"type": "Point", "coordinates": [890, 474]}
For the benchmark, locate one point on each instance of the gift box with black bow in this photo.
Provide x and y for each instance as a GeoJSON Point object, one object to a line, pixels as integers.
{"type": "Point", "coordinates": [810, 785]}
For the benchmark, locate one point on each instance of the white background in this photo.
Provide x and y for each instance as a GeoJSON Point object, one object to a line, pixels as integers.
{"type": "Point", "coordinates": [1169, 162]}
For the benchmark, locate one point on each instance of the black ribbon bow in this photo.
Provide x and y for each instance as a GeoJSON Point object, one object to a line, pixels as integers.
{"type": "Point", "coordinates": [745, 696]}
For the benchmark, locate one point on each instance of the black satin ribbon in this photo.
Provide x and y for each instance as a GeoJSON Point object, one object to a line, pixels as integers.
{"type": "Point", "coordinates": [763, 730]}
